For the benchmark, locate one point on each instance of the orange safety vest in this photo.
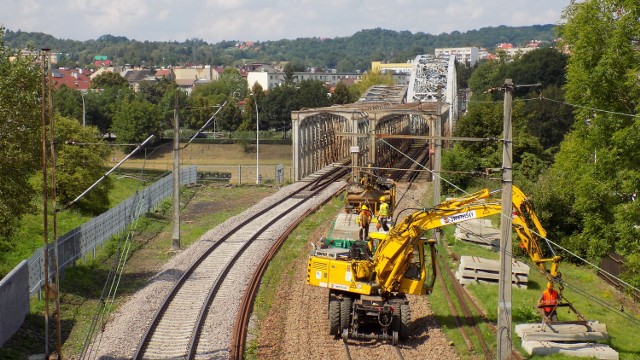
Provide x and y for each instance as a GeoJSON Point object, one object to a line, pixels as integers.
{"type": "Point", "coordinates": [549, 297]}
{"type": "Point", "coordinates": [364, 218]}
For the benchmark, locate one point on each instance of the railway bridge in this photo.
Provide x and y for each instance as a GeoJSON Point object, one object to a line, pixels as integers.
{"type": "Point", "coordinates": [381, 126]}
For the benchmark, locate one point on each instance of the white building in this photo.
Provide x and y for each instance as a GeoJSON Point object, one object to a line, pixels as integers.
{"type": "Point", "coordinates": [272, 79]}
{"type": "Point", "coordinates": [463, 55]}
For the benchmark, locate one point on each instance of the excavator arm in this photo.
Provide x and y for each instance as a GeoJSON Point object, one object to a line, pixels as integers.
{"type": "Point", "coordinates": [392, 255]}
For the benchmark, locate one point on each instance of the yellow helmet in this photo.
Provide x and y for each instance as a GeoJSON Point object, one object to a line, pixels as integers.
{"type": "Point", "coordinates": [383, 199]}
{"type": "Point", "coordinates": [550, 285]}
{"type": "Point", "coordinates": [364, 207]}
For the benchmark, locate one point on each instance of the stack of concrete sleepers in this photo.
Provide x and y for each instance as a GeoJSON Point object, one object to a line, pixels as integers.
{"type": "Point", "coordinates": [480, 232]}
{"type": "Point", "coordinates": [566, 338]}
{"type": "Point", "coordinates": [474, 270]}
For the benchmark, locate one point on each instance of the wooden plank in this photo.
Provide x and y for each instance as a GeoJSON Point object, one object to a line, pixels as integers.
{"type": "Point", "coordinates": [599, 351]}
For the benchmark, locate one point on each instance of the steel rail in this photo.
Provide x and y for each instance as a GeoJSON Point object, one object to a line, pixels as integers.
{"type": "Point", "coordinates": [468, 315]}
{"type": "Point", "coordinates": [246, 304]}
{"type": "Point", "coordinates": [162, 309]}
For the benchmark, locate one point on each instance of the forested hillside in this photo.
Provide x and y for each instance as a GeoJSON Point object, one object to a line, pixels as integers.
{"type": "Point", "coordinates": [344, 53]}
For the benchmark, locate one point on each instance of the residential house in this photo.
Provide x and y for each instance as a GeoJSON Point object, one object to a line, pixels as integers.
{"type": "Point", "coordinates": [78, 79]}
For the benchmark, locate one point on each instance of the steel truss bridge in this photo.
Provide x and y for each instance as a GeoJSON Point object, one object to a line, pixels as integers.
{"type": "Point", "coordinates": [382, 125]}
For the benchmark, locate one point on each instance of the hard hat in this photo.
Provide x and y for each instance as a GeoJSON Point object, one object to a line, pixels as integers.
{"type": "Point", "coordinates": [364, 207]}
{"type": "Point", "coordinates": [550, 285]}
{"type": "Point", "coordinates": [382, 198]}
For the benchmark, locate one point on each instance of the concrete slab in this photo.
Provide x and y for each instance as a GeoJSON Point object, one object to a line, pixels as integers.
{"type": "Point", "coordinates": [591, 326]}
{"type": "Point", "coordinates": [484, 275]}
{"type": "Point", "coordinates": [465, 281]}
{"type": "Point", "coordinates": [599, 351]}
{"type": "Point", "coordinates": [474, 262]}
{"type": "Point", "coordinates": [559, 337]}
{"type": "Point", "coordinates": [488, 243]}
{"type": "Point", "coordinates": [345, 227]}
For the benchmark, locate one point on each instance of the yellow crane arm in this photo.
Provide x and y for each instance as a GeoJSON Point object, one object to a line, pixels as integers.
{"type": "Point", "coordinates": [396, 248]}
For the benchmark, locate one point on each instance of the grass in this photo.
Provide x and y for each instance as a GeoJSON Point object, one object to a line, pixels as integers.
{"type": "Point", "coordinates": [214, 154]}
{"type": "Point", "coordinates": [241, 163]}
{"type": "Point", "coordinates": [622, 338]}
{"type": "Point", "coordinates": [29, 236]}
{"type": "Point", "coordinates": [204, 207]}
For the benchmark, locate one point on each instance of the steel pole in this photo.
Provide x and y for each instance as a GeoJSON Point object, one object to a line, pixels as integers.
{"type": "Point", "coordinates": [255, 100]}
{"type": "Point", "coordinates": [175, 243]}
{"type": "Point", "coordinates": [84, 123]}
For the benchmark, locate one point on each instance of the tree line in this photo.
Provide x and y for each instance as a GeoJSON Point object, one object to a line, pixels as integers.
{"type": "Point", "coordinates": [346, 54]}
{"type": "Point", "coordinates": [576, 149]}
{"type": "Point", "coordinates": [113, 107]}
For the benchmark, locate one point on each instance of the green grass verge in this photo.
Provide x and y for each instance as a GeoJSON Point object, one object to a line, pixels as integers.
{"type": "Point", "coordinates": [29, 236]}
{"type": "Point", "coordinates": [82, 285]}
{"type": "Point", "coordinates": [622, 332]}
{"type": "Point", "coordinates": [280, 267]}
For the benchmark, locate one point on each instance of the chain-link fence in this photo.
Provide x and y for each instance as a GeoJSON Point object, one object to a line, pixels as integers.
{"type": "Point", "coordinates": [85, 239]}
{"type": "Point", "coordinates": [246, 174]}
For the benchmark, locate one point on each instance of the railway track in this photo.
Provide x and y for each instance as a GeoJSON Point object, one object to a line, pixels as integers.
{"type": "Point", "coordinates": [412, 170]}
{"type": "Point", "coordinates": [201, 295]}
{"type": "Point", "coordinates": [465, 302]}
{"type": "Point", "coordinates": [397, 352]}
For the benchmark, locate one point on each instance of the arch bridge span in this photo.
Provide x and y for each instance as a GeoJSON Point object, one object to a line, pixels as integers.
{"type": "Point", "coordinates": [366, 132]}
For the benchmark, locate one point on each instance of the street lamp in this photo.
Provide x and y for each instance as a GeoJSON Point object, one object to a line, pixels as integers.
{"type": "Point", "coordinates": [255, 101]}
{"type": "Point", "coordinates": [82, 94]}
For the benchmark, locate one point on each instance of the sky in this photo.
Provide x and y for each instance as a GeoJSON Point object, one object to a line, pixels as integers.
{"type": "Point", "coordinates": [261, 20]}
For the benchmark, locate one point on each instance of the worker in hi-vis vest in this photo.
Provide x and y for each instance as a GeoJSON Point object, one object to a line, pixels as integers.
{"type": "Point", "coordinates": [383, 214]}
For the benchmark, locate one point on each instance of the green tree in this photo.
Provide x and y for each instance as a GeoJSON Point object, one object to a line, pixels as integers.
{"type": "Point", "coordinates": [108, 79]}
{"type": "Point", "coordinates": [598, 165]}
{"type": "Point", "coordinates": [372, 78]}
{"type": "Point", "coordinates": [80, 156]}
{"type": "Point", "coordinates": [277, 106]}
{"type": "Point", "coordinates": [20, 134]}
{"type": "Point", "coordinates": [342, 95]}
{"type": "Point", "coordinates": [312, 94]}
{"type": "Point", "coordinates": [102, 105]}
{"type": "Point", "coordinates": [289, 73]}
{"type": "Point", "coordinates": [154, 91]}
{"type": "Point", "coordinates": [249, 118]}
{"type": "Point", "coordinates": [135, 120]}
{"type": "Point", "coordinates": [68, 102]}
{"type": "Point", "coordinates": [206, 99]}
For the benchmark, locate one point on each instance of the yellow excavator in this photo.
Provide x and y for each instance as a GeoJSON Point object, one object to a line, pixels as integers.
{"type": "Point", "coordinates": [367, 290]}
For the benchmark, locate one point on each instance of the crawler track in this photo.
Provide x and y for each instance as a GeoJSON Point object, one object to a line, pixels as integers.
{"type": "Point", "coordinates": [177, 326]}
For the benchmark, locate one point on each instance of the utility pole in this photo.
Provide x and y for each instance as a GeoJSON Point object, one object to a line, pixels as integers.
{"type": "Point", "coordinates": [45, 230]}
{"type": "Point", "coordinates": [56, 287]}
{"type": "Point", "coordinates": [437, 158]}
{"type": "Point", "coordinates": [175, 243]}
{"type": "Point", "coordinates": [504, 284]}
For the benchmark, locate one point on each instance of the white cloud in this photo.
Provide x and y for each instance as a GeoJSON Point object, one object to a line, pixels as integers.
{"type": "Point", "coordinates": [216, 20]}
